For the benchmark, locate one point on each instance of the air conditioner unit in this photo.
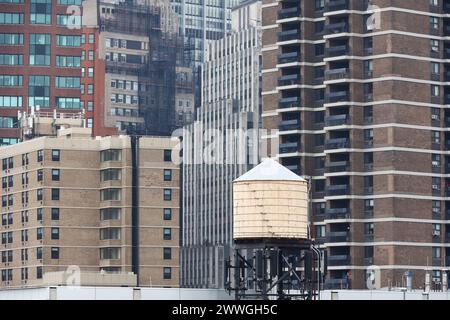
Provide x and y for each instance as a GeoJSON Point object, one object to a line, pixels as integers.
{"type": "Point", "coordinates": [436, 210]}
{"type": "Point", "coordinates": [436, 233]}
{"type": "Point", "coordinates": [435, 163]}
{"type": "Point", "coordinates": [435, 187]}
{"type": "Point", "coordinates": [435, 117]}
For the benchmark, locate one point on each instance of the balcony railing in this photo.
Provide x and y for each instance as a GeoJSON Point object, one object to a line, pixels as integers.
{"type": "Point", "coordinates": [341, 236]}
{"type": "Point", "coordinates": [337, 120]}
{"type": "Point", "coordinates": [287, 125]}
{"type": "Point", "coordinates": [289, 80]}
{"type": "Point", "coordinates": [337, 213]}
{"type": "Point", "coordinates": [289, 13]}
{"type": "Point", "coordinates": [288, 35]}
{"type": "Point", "coordinates": [335, 74]}
{"type": "Point", "coordinates": [336, 27]}
{"type": "Point", "coordinates": [337, 96]}
{"type": "Point", "coordinates": [339, 143]}
{"type": "Point", "coordinates": [289, 147]}
{"type": "Point", "coordinates": [338, 260]}
{"type": "Point", "coordinates": [291, 102]}
{"type": "Point", "coordinates": [335, 284]}
{"type": "Point", "coordinates": [335, 5]}
{"type": "Point", "coordinates": [340, 166]}
{"type": "Point", "coordinates": [289, 57]}
{"type": "Point", "coordinates": [336, 51]}
{"type": "Point", "coordinates": [337, 190]}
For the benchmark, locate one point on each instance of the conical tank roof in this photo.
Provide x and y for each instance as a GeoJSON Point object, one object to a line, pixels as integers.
{"type": "Point", "coordinates": [269, 169]}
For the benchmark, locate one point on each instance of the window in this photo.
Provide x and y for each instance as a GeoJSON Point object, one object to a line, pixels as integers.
{"type": "Point", "coordinates": [68, 61]}
{"type": "Point", "coordinates": [24, 273]}
{"type": "Point", "coordinates": [167, 175]}
{"type": "Point", "coordinates": [11, 59]}
{"type": "Point", "coordinates": [55, 253]}
{"type": "Point", "coordinates": [90, 72]}
{"type": "Point", "coordinates": [11, 18]}
{"type": "Point", "coordinates": [55, 213]}
{"type": "Point", "coordinates": [55, 194]}
{"type": "Point", "coordinates": [436, 252]}
{"type": "Point", "coordinates": [167, 194]}
{"type": "Point", "coordinates": [368, 252]}
{"type": "Point", "coordinates": [368, 228]}
{"type": "Point", "coordinates": [39, 91]}
{"type": "Point", "coordinates": [436, 160]}
{"type": "Point", "coordinates": [39, 272]}
{"type": "Point", "coordinates": [167, 234]}
{"type": "Point", "coordinates": [73, 21]}
{"type": "Point", "coordinates": [68, 82]}
{"type": "Point", "coordinates": [435, 68]}
{"type": "Point", "coordinates": [436, 183]}
{"type": "Point", "coordinates": [167, 253]}
{"type": "Point", "coordinates": [40, 45]}
{"type": "Point", "coordinates": [110, 234]}
{"type": "Point", "coordinates": [10, 102]}
{"type": "Point", "coordinates": [320, 208]}
{"type": "Point", "coordinates": [110, 253]}
{"type": "Point", "coordinates": [68, 41]}
{"type": "Point", "coordinates": [55, 175]}
{"type": "Point", "coordinates": [167, 214]}
{"type": "Point", "coordinates": [110, 174]}
{"type": "Point", "coordinates": [91, 38]}
{"type": "Point", "coordinates": [56, 155]}
{"type": "Point", "coordinates": [110, 195]}
{"type": "Point", "coordinates": [320, 231]}
{"type": "Point", "coordinates": [111, 155]}
{"type": "Point", "coordinates": [39, 194]}
{"type": "Point", "coordinates": [40, 155]}
{"type": "Point", "coordinates": [168, 155]}
{"type": "Point", "coordinates": [91, 58]}
{"type": "Point", "coordinates": [110, 214]}
{"type": "Point", "coordinates": [39, 233]}
{"type": "Point", "coordinates": [39, 251]}
{"type": "Point", "coordinates": [436, 229]}
{"type": "Point", "coordinates": [55, 233]}
{"type": "Point", "coordinates": [11, 81]}
{"type": "Point", "coordinates": [435, 91]}
{"type": "Point", "coordinates": [434, 45]}
{"type": "Point", "coordinates": [319, 49]}
{"type": "Point", "coordinates": [39, 214]}
{"type": "Point", "coordinates": [40, 175]}
{"type": "Point", "coordinates": [167, 273]}
{"type": "Point", "coordinates": [436, 206]}
{"type": "Point", "coordinates": [434, 23]}
{"type": "Point", "coordinates": [435, 137]}
{"type": "Point", "coordinates": [319, 5]}
{"type": "Point", "coordinates": [41, 12]}
{"type": "Point", "coordinates": [10, 39]}
{"type": "Point", "coordinates": [368, 205]}
{"type": "Point", "coordinates": [90, 89]}
{"type": "Point", "coordinates": [68, 103]}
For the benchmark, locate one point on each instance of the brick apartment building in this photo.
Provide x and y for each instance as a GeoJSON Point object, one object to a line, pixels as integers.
{"type": "Point", "coordinates": [360, 95]}
{"type": "Point", "coordinates": [112, 61]}
{"type": "Point", "coordinates": [105, 205]}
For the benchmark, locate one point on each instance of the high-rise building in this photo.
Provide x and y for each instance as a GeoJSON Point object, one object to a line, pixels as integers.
{"type": "Point", "coordinates": [83, 207]}
{"type": "Point", "coordinates": [199, 23]}
{"type": "Point", "coordinates": [39, 59]}
{"type": "Point", "coordinates": [230, 117]}
{"type": "Point", "coordinates": [113, 61]}
{"type": "Point", "coordinates": [358, 92]}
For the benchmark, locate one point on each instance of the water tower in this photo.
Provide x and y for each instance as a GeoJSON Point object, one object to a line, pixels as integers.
{"type": "Point", "coordinates": [274, 256]}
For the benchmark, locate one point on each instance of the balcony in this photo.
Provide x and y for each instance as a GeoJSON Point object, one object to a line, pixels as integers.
{"type": "Point", "coordinates": [289, 80]}
{"type": "Point", "coordinates": [337, 120]}
{"type": "Point", "coordinates": [291, 102]}
{"type": "Point", "coordinates": [340, 166]}
{"type": "Point", "coordinates": [339, 143]}
{"type": "Point", "coordinates": [287, 125]}
{"type": "Point", "coordinates": [336, 27]}
{"type": "Point", "coordinates": [338, 260]}
{"type": "Point", "coordinates": [341, 236]}
{"type": "Point", "coordinates": [289, 13]}
{"type": "Point", "coordinates": [337, 96]}
{"type": "Point", "coordinates": [289, 35]}
{"type": "Point", "coordinates": [336, 51]}
{"type": "Point", "coordinates": [289, 147]}
{"type": "Point", "coordinates": [336, 284]}
{"type": "Point", "coordinates": [289, 57]}
{"type": "Point", "coordinates": [337, 213]}
{"type": "Point", "coordinates": [336, 74]}
{"type": "Point", "coordinates": [338, 190]}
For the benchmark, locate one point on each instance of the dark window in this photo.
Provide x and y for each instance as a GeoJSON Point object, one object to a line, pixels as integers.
{"type": "Point", "coordinates": [39, 253]}
{"type": "Point", "coordinates": [167, 194]}
{"type": "Point", "coordinates": [39, 272]}
{"type": "Point", "coordinates": [55, 174]}
{"type": "Point", "coordinates": [39, 214]}
{"type": "Point", "coordinates": [167, 234]}
{"type": "Point", "coordinates": [167, 175]}
{"type": "Point", "coordinates": [40, 175]}
{"type": "Point", "coordinates": [56, 155]}
{"type": "Point", "coordinates": [55, 253]}
{"type": "Point", "coordinates": [39, 233]}
{"type": "Point", "coordinates": [167, 214]}
{"type": "Point", "coordinates": [167, 253]}
{"type": "Point", "coordinates": [55, 233]}
{"type": "Point", "coordinates": [55, 213]}
{"type": "Point", "coordinates": [40, 155]}
{"type": "Point", "coordinates": [167, 273]}
{"type": "Point", "coordinates": [40, 194]}
{"type": "Point", "coordinates": [168, 155]}
{"type": "Point", "coordinates": [55, 194]}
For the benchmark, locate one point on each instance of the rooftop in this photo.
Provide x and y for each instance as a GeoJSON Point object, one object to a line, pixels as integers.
{"type": "Point", "coordinates": [270, 169]}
